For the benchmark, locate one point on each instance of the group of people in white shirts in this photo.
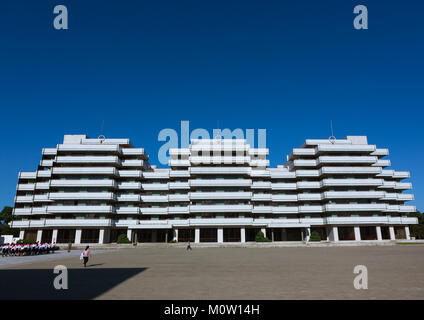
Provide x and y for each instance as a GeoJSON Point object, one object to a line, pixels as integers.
{"type": "Point", "coordinates": [17, 249]}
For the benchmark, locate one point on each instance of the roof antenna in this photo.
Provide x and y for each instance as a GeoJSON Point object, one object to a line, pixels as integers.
{"type": "Point", "coordinates": [332, 137]}
{"type": "Point", "coordinates": [101, 136]}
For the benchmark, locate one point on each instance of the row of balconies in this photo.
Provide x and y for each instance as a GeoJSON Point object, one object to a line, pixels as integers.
{"type": "Point", "coordinates": [110, 183]}
{"type": "Point", "coordinates": [166, 174]}
{"type": "Point", "coordinates": [215, 196]}
{"type": "Point", "coordinates": [218, 160]}
{"type": "Point", "coordinates": [220, 170]}
{"type": "Point", "coordinates": [325, 160]}
{"type": "Point", "coordinates": [333, 183]}
{"type": "Point", "coordinates": [342, 148]}
{"type": "Point", "coordinates": [277, 173]}
{"type": "Point", "coordinates": [163, 174]}
{"type": "Point", "coordinates": [106, 196]}
{"type": "Point", "coordinates": [98, 210]}
{"type": "Point", "coordinates": [45, 223]}
{"type": "Point", "coordinates": [109, 171]}
{"type": "Point", "coordinates": [394, 174]}
{"type": "Point", "coordinates": [377, 207]}
{"type": "Point", "coordinates": [107, 183]}
{"type": "Point", "coordinates": [272, 223]}
{"type": "Point", "coordinates": [113, 148]}
{"type": "Point", "coordinates": [289, 174]}
{"type": "Point", "coordinates": [334, 195]}
{"type": "Point", "coordinates": [113, 160]}
{"type": "Point", "coordinates": [369, 207]}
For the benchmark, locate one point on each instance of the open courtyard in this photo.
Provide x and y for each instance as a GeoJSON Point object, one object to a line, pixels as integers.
{"type": "Point", "coordinates": [394, 272]}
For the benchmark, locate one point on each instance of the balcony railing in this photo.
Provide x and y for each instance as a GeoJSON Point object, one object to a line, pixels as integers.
{"type": "Point", "coordinates": [155, 186]}
{"type": "Point", "coordinates": [221, 208]}
{"type": "Point", "coordinates": [178, 197]}
{"type": "Point", "coordinates": [84, 183]}
{"type": "Point", "coordinates": [154, 198]}
{"type": "Point", "coordinates": [80, 209]}
{"type": "Point", "coordinates": [86, 170]}
{"type": "Point", "coordinates": [220, 182]}
{"type": "Point", "coordinates": [82, 196]}
{"type": "Point", "coordinates": [220, 170]}
{"type": "Point", "coordinates": [220, 195]}
{"type": "Point", "coordinates": [129, 186]}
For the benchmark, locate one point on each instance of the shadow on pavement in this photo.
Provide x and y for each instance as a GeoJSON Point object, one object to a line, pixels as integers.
{"type": "Point", "coordinates": [83, 284]}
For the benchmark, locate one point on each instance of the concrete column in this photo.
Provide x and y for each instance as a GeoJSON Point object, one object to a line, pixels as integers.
{"type": "Point", "coordinates": [334, 234]}
{"type": "Point", "coordinates": [39, 235]}
{"type": "Point", "coordinates": [220, 235]}
{"type": "Point", "coordinates": [21, 234]}
{"type": "Point", "coordinates": [328, 232]}
{"type": "Point", "coordinates": [197, 235]}
{"type": "Point", "coordinates": [357, 233]}
{"type": "Point", "coordinates": [129, 234]}
{"type": "Point", "coordinates": [407, 234]}
{"type": "Point", "coordinates": [308, 234]}
{"type": "Point", "coordinates": [263, 231]}
{"type": "Point", "coordinates": [378, 230]}
{"type": "Point", "coordinates": [272, 235]}
{"type": "Point", "coordinates": [392, 233]}
{"type": "Point", "coordinates": [175, 235]}
{"type": "Point", "coordinates": [243, 234]}
{"type": "Point", "coordinates": [54, 235]}
{"type": "Point", "coordinates": [78, 236]}
{"type": "Point", "coordinates": [101, 235]}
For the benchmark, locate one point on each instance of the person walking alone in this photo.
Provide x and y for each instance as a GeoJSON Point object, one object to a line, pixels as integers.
{"type": "Point", "coordinates": [188, 246]}
{"type": "Point", "coordinates": [85, 255]}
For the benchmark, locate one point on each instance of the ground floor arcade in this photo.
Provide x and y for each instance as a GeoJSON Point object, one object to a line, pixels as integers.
{"type": "Point", "coordinates": [217, 234]}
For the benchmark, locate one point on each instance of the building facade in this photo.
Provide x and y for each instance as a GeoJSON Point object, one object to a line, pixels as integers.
{"type": "Point", "coordinates": [219, 190]}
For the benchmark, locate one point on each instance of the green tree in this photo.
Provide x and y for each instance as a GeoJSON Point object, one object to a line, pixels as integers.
{"type": "Point", "coordinates": [123, 239]}
{"type": "Point", "coordinates": [417, 230]}
{"type": "Point", "coordinates": [315, 236]}
{"type": "Point", "coordinates": [6, 215]}
{"type": "Point", "coordinates": [260, 237]}
{"type": "Point", "coordinates": [6, 229]}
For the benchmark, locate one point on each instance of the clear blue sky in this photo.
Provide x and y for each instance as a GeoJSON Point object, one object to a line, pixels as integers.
{"type": "Point", "coordinates": [141, 66]}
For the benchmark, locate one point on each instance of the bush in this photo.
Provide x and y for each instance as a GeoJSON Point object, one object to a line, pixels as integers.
{"type": "Point", "coordinates": [173, 241]}
{"type": "Point", "coordinates": [315, 236]}
{"type": "Point", "coordinates": [123, 239]}
{"type": "Point", "coordinates": [25, 241]}
{"type": "Point", "coordinates": [260, 237]}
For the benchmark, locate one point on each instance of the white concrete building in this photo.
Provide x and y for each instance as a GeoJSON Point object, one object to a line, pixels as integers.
{"type": "Point", "coordinates": [219, 190]}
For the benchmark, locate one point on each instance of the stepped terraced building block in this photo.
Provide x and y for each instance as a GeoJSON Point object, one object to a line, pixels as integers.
{"type": "Point", "coordinates": [218, 190]}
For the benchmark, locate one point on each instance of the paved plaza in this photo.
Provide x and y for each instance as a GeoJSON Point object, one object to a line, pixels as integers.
{"type": "Point", "coordinates": [394, 272]}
